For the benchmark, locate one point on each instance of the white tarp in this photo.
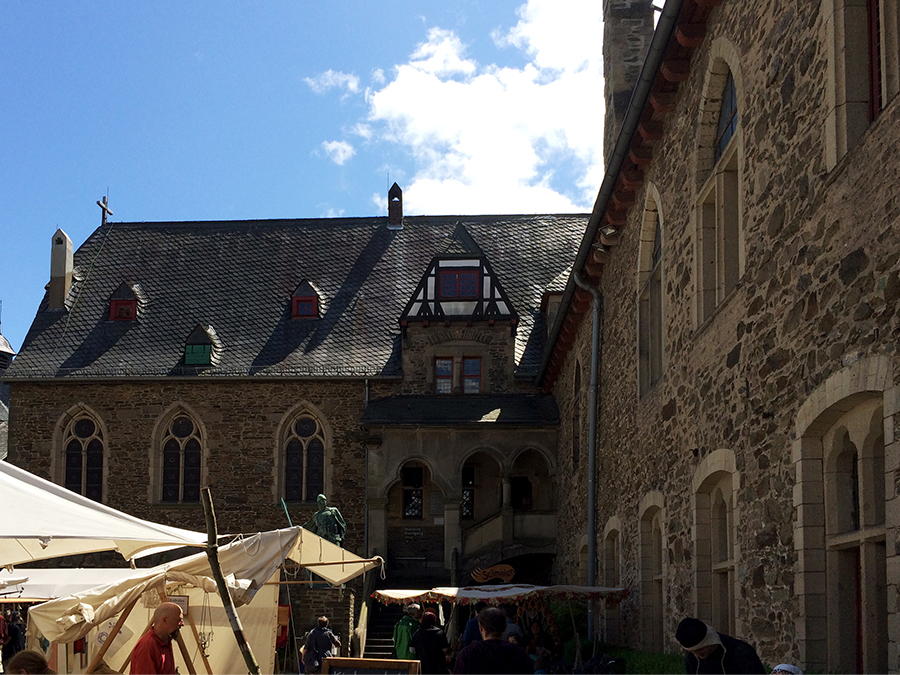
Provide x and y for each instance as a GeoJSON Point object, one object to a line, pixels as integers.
{"type": "Point", "coordinates": [247, 564]}
{"type": "Point", "coordinates": [45, 520]}
{"type": "Point", "coordinates": [498, 594]}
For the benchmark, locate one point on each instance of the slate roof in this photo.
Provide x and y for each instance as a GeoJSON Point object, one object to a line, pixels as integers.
{"type": "Point", "coordinates": [535, 410]}
{"type": "Point", "coordinates": [238, 277]}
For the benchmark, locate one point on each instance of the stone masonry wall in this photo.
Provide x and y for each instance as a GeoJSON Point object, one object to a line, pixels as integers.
{"type": "Point", "coordinates": [494, 344]}
{"type": "Point", "coordinates": [819, 291]}
{"type": "Point", "coordinates": [241, 422]}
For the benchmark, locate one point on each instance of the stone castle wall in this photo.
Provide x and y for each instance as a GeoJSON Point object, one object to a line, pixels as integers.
{"type": "Point", "coordinates": [819, 293]}
{"type": "Point", "coordinates": [241, 423]}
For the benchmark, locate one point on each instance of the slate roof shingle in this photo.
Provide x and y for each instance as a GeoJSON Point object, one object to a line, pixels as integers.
{"type": "Point", "coordinates": [238, 276]}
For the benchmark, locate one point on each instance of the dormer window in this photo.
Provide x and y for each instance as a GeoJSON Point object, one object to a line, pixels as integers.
{"type": "Point", "coordinates": [305, 308]}
{"type": "Point", "coordinates": [197, 355]}
{"type": "Point", "coordinates": [198, 348]}
{"type": "Point", "coordinates": [305, 301]}
{"type": "Point", "coordinates": [122, 310]}
{"type": "Point", "coordinates": [123, 303]}
{"type": "Point", "coordinates": [459, 283]}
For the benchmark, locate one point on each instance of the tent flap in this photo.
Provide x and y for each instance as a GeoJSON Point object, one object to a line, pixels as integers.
{"type": "Point", "coordinates": [61, 523]}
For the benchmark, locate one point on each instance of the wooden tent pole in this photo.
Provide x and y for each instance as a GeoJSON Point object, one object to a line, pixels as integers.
{"type": "Point", "coordinates": [112, 636]}
{"type": "Point", "coordinates": [180, 639]}
{"type": "Point", "coordinates": [197, 638]}
{"type": "Point", "coordinates": [212, 552]}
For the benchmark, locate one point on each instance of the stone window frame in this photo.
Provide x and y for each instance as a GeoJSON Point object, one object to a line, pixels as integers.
{"type": "Point", "coordinates": [282, 437]}
{"type": "Point", "coordinates": [577, 405]}
{"type": "Point", "coordinates": [481, 454]}
{"type": "Point", "coordinates": [714, 500]}
{"type": "Point", "coordinates": [652, 568]}
{"type": "Point", "coordinates": [154, 488]}
{"type": "Point", "coordinates": [61, 438]}
{"type": "Point", "coordinates": [612, 578]}
{"type": "Point", "coordinates": [720, 249]}
{"type": "Point", "coordinates": [650, 296]}
{"type": "Point", "coordinates": [848, 82]}
{"type": "Point", "coordinates": [847, 399]}
{"type": "Point", "coordinates": [458, 350]}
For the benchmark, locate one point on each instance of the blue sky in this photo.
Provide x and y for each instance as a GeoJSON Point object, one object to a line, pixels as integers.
{"type": "Point", "coordinates": [253, 110]}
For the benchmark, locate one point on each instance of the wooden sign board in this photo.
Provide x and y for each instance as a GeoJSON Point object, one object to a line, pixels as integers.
{"type": "Point", "coordinates": [504, 573]}
{"type": "Point", "coordinates": [339, 664]}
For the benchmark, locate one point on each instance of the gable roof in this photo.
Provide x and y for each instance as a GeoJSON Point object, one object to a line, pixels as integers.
{"type": "Point", "coordinates": [238, 276]}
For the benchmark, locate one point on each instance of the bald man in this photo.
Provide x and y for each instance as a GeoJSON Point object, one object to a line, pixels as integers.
{"type": "Point", "coordinates": [153, 652]}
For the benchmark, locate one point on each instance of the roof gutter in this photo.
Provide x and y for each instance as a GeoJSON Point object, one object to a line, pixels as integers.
{"type": "Point", "coordinates": [665, 27]}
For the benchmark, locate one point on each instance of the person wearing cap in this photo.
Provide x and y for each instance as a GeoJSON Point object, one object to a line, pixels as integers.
{"type": "Point", "coordinates": [786, 669]}
{"type": "Point", "coordinates": [707, 651]}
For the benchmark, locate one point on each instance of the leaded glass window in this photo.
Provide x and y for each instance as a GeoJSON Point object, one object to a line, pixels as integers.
{"type": "Point", "coordinates": [83, 448]}
{"type": "Point", "coordinates": [182, 457]}
{"type": "Point", "coordinates": [304, 460]}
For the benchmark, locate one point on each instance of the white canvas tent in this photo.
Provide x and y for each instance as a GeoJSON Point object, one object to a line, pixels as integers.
{"type": "Point", "coordinates": [499, 594]}
{"type": "Point", "coordinates": [248, 563]}
{"type": "Point", "coordinates": [46, 520]}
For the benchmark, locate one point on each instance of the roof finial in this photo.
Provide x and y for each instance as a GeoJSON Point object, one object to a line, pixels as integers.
{"type": "Point", "coordinates": [104, 205]}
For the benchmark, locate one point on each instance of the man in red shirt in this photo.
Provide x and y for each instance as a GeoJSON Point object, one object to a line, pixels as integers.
{"type": "Point", "coordinates": [153, 655]}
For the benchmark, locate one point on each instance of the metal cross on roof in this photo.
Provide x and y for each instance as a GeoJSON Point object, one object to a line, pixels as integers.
{"type": "Point", "coordinates": [104, 205]}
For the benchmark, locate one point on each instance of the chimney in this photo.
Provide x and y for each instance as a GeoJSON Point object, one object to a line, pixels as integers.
{"type": "Point", "coordinates": [395, 208]}
{"type": "Point", "coordinates": [60, 270]}
{"type": "Point", "coordinates": [627, 32]}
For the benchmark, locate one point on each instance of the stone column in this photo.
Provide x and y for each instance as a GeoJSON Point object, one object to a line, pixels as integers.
{"type": "Point", "coordinates": [377, 526]}
{"type": "Point", "coordinates": [506, 511]}
{"type": "Point", "coordinates": [452, 530]}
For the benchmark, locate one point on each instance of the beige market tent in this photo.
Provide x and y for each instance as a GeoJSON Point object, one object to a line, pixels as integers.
{"type": "Point", "coordinates": [49, 521]}
{"type": "Point", "coordinates": [248, 563]}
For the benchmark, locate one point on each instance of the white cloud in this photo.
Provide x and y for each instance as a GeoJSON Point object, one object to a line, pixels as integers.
{"type": "Point", "coordinates": [333, 79]}
{"type": "Point", "coordinates": [491, 139]}
{"type": "Point", "coordinates": [338, 151]}
{"type": "Point", "coordinates": [378, 76]}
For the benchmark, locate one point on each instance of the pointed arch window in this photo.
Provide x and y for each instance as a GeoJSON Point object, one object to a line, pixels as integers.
{"type": "Point", "coordinates": [304, 459]}
{"type": "Point", "coordinates": [182, 459]}
{"type": "Point", "coordinates": [83, 449]}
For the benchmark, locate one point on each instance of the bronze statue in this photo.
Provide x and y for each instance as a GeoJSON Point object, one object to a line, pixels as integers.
{"type": "Point", "coordinates": [327, 522]}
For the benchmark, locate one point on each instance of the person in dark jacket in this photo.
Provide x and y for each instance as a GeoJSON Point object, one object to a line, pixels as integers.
{"type": "Point", "coordinates": [707, 651]}
{"type": "Point", "coordinates": [493, 654]}
{"type": "Point", "coordinates": [429, 645]}
{"type": "Point", "coordinates": [319, 644]}
{"type": "Point", "coordinates": [471, 633]}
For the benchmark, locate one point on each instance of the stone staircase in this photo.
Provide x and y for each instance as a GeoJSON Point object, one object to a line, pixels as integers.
{"type": "Point", "coordinates": [380, 632]}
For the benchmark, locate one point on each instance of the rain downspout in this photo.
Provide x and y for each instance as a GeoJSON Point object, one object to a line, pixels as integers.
{"type": "Point", "coordinates": [592, 443]}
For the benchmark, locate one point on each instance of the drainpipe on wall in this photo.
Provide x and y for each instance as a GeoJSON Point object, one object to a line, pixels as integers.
{"type": "Point", "coordinates": [592, 443]}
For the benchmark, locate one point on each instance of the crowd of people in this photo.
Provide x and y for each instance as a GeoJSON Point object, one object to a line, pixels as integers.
{"type": "Point", "coordinates": [492, 642]}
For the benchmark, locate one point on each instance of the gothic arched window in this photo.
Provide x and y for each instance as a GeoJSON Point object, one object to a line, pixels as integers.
{"type": "Point", "coordinates": [83, 451]}
{"type": "Point", "coordinates": [182, 459]}
{"type": "Point", "coordinates": [304, 459]}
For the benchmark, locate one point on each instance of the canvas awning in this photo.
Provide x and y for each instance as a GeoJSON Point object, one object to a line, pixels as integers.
{"type": "Point", "coordinates": [247, 563]}
{"type": "Point", "coordinates": [499, 594]}
{"type": "Point", "coordinates": [46, 520]}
